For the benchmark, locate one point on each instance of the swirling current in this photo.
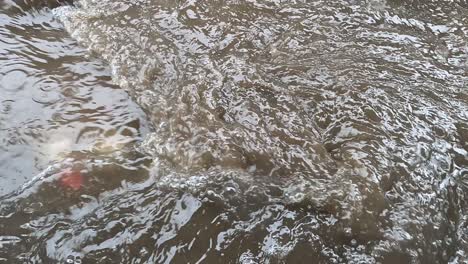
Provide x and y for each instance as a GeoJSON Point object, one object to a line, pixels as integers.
{"type": "Point", "coordinates": [234, 131]}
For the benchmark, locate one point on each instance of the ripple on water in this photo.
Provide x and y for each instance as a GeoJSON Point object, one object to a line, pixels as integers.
{"type": "Point", "coordinates": [43, 75]}
{"type": "Point", "coordinates": [283, 132]}
{"type": "Point", "coordinates": [14, 80]}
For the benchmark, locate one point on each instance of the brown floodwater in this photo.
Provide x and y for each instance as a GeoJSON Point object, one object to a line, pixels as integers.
{"type": "Point", "coordinates": [214, 131]}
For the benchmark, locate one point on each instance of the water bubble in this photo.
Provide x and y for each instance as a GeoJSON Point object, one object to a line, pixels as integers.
{"type": "Point", "coordinates": [70, 259]}
{"type": "Point", "coordinates": [230, 189]}
{"type": "Point", "coordinates": [348, 232]}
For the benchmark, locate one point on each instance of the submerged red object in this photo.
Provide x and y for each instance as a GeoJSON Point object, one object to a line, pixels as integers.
{"type": "Point", "coordinates": [71, 179]}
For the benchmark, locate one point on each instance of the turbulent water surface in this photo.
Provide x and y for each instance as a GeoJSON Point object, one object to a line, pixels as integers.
{"type": "Point", "coordinates": [280, 131]}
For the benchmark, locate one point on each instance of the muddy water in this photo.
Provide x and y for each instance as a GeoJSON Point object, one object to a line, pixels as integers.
{"type": "Point", "coordinates": [280, 132]}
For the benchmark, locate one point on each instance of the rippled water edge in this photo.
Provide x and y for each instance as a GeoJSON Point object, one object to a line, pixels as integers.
{"type": "Point", "coordinates": [306, 130]}
{"type": "Point", "coordinates": [54, 100]}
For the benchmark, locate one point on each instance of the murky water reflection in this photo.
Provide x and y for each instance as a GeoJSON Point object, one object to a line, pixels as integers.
{"type": "Point", "coordinates": [282, 132]}
{"type": "Point", "coordinates": [55, 100]}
